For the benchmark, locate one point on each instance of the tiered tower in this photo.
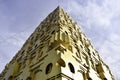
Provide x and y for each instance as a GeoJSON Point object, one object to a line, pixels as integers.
{"type": "Point", "coordinates": [57, 50]}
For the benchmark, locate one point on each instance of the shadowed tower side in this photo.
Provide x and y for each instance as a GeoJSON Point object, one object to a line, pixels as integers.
{"type": "Point", "coordinates": [57, 50]}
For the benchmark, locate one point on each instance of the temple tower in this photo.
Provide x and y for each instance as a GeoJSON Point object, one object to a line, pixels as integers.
{"type": "Point", "coordinates": [57, 50]}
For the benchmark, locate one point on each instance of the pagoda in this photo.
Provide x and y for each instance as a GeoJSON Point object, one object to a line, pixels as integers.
{"type": "Point", "coordinates": [57, 50]}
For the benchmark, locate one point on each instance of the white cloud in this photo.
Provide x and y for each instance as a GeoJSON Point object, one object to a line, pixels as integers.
{"type": "Point", "coordinates": [9, 45]}
{"type": "Point", "coordinates": [92, 13]}
{"type": "Point", "coordinates": [100, 19]}
{"type": "Point", "coordinates": [17, 39]}
{"type": "Point", "coordinates": [110, 53]}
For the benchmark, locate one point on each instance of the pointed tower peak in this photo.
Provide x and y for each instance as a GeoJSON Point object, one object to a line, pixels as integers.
{"type": "Point", "coordinates": [58, 16]}
{"type": "Point", "coordinates": [58, 9]}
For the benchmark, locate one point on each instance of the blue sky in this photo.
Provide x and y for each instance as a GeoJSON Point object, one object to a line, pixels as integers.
{"type": "Point", "coordinates": [98, 19]}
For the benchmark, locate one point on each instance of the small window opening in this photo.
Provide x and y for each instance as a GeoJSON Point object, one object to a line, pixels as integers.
{"type": "Point", "coordinates": [104, 78]}
{"type": "Point", "coordinates": [29, 78]}
{"type": "Point", "coordinates": [89, 79]}
{"type": "Point", "coordinates": [49, 68]}
{"type": "Point", "coordinates": [71, 67]}
{"type": "Point", "coordinates": [53, 32]}
{"type": "Point", "coordinates": [10, 78]}
{"type": "Point", "coordinates": [66, 32]}
{"type": "Point", "coordinates": [23, 51]}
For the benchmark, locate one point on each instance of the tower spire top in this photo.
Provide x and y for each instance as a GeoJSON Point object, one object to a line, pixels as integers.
{"type": "Point", "coordinates": [57, 16]}
{"type": "Point", "coordinates": [58, 8]}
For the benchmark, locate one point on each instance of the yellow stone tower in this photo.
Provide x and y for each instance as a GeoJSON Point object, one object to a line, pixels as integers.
{"type": "Point", "coordinates": [57, 50]}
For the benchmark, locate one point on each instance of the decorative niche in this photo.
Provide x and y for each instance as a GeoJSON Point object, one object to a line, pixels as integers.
{"type": "Point", "coordinates": [61, 62]}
